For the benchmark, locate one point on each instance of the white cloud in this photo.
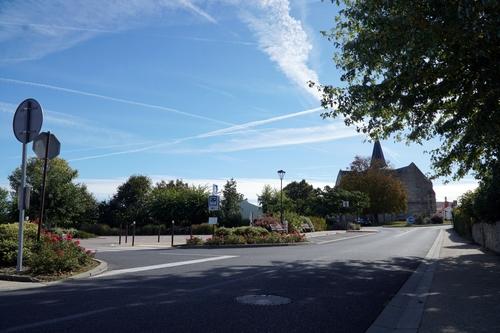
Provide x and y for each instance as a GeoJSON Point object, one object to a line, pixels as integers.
{"type": "Point", "coordinates": [34, 28]}
{"type": "Point", "coordinates": [270, 138]}
{"type": "Point", "coordinates": [284, 39]}
{"type": "Point", "coordinates": [453, 190]}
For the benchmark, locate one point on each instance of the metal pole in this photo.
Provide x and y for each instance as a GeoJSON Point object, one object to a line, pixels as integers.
{"type": "Point", "coordinates": [120, 235]}
{"type": "Point", "coordinates": [281, 190]}
{"type": "Point", "coordinates": [159, 230]}
{"type": "Point", "coordinates": [133, 233]}
{"type": "Point", "coordinates": [44, 180]}
{"type": "Point", "coordinates": [173, 223]}
{"type": "Point", "coordinates": [19, 266]}
{"type": "Point", "coordinates": [126, 232]}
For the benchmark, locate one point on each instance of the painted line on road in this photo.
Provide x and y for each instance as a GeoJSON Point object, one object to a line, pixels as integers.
{"type": "Point", "coordinates": [404, 233]}
{"type": "Point", "coordinates": [57, 320]}
{"type": "Point", "coordinates": [341, 239]}
{"type": "Point", "coordinates": [160, 266]}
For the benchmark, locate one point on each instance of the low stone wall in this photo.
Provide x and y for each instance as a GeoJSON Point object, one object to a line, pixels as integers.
{"type": "Point", "coordinates": [487, 235]}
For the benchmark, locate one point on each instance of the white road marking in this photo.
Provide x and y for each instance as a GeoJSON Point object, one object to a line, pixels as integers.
{"type": "Point", "coordinates": [160, 266]}
{"type": "Point", "coordinates": [57, 320]}
{"type": "Point", "coordinates": [406, 232]}
{"type": "Point", "coordinates": [341, 239]}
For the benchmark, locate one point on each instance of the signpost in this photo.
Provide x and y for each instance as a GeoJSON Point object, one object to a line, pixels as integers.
{"type": "Point", "coordinates": [27, 123]}
{"type": "Point", "coordinates": [46, 147]}
{"type": "Point", "coordinates": [213, 206]}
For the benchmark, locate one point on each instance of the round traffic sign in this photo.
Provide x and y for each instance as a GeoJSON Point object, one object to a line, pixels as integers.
{"type": "Point", "coordinates": [27, 120]}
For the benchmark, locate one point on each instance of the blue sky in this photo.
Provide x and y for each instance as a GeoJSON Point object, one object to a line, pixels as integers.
{"type": "Point", "coordinates": [198, 90]}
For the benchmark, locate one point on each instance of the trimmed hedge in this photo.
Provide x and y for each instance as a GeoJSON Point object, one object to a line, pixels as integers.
{"type": "Point", "coordinates": [9, 242]}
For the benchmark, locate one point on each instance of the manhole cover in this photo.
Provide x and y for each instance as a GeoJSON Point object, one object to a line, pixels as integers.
{"type": "Point", "coordinates": [263, 300]}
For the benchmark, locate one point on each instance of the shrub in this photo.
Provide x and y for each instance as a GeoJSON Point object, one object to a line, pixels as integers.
{"type": "Point", "coordinates": [56, 254]}
{"type": "Point", "coordinates": [102, 229]}
{"type": "Point", "coordinates": [83, 234]}
{"type": "Point", "coordinates": [353, 226]}
{"type": "Point", "coordinates": [202, 229]}
{"type": "Point", "coordinates": [250, 231]}
{"type": "Point", "coordinates": [436, 219]}
{"type": "Point", "coordinates": [223, 232]}
{"type": "Point", "coordinates": [9, 242]}
{"type": "Point", "coordinates": [266, 221]}
{"type": "Point", "coordinates": [294, 221]}
{"type": "Point", "coordinates": [319, 223]}
{"type": "Point", "coordinates": [194, 241]}
{"type": "Point", "coordinates": [234, 239]}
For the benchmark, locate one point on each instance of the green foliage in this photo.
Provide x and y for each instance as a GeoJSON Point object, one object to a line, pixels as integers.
{"type": "Point", "coordinates": [294, 221]}
{"type": "Point", "coordinates": [436, 219]}
{"type": "Point", "coordinates": [100, 229]}
{"type": "Point", "coordinates": [270, 200]}
{"type": "Point", "coordinates": [194, 241]}
{"type": "Point", "coordinates": [184, 204]}
{"type": "Point", "coordinates": [266, 221]}
{"type": "Point", "coordinates": [4, 206]}
{"type": "Point", "coordinates": [319, 223]}
{"type": "Point", "coordinates": [420, 69]}
{"type": "Point", "coordinates": [130, 200]}
{"type": "Point", "coordinates": [55, 254]}
{"type": "Point", "coordinates": [386, 193]}
{"type": "Point", "coordinates": [301, 194]}
{"type": "Point", "coordinates": [68, 204]}
{"type": "Point", "coordinates": [255, 237]}
{"type": "Point", "coordinates": [230, 204]}
{"type": "Point", "coordinates": [202, 229]}
{"type": "Point", "coordinates": [9, 242]}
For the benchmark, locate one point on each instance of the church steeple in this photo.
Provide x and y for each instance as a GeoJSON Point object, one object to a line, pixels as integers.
{"type": "Point", "coordinates": [378, 158]}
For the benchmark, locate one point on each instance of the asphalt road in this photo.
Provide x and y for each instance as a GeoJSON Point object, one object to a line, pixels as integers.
{"type": "Point", "coordinates": [333, 286]}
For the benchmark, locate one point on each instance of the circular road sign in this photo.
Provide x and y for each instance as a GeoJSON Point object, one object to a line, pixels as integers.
{"type": "Point", "coordinates": [40, 145]}
{"type": "Point", "coordinates": [27, 120]}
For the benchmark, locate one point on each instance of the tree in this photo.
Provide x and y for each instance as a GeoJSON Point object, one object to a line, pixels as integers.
{"type": "Point", "coordinates": [179, 202]}
{"type": "Point", "coordinates": [230, 205]}
{"type": "Point", "coordinates": [270, 201]}
{"type": "Point", "coordinates": [4, 205]}
{"type": "Point", "coordinates": [131, 198]}
{"type": "Point", "coordinates": [420, 69]}
{"type": "Point", "coordinates": [68, 204]}
{"type": "Point", "coordinates": [300, 193]}
{"type": "Point", "coordinates": [386, 193]}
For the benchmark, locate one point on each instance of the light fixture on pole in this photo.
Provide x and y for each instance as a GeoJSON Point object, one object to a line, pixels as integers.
{"type": "Point", "coordinates": [281, 174]}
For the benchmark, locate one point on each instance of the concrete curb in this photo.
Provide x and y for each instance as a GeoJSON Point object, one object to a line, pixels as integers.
{"type": "Point", "coordinates": [404, 312]}
{"type": "Point", "coordinates": [103, 266]}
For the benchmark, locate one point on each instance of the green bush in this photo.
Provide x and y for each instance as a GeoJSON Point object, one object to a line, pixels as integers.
{"type": "Point", "coordinates": [319, 223]}
{"type": "Point", "coordinates": [9, 242]}
{"type": "Point", "coordinates": [56, 254]}
{"type": "Point", "coordinates": [436, 219]}
{"type": "Point", "coordinates": [294, 221]}
{"type": "Point", "coordinates": [202, 229]}
{"type": "Point", "coordinates": [223, 232]}
{"type": "Point", "coordinates": [102, 229]}
{"type": "Point", "coordinates": [83, 234]}
{"type": "Point", "coordinates": [250, 231]}
{"type": "Point", "coordinates": [194, 241]}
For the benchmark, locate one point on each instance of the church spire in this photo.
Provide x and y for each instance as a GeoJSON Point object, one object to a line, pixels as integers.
{"type": "Point", "coordinates": [378, 158]}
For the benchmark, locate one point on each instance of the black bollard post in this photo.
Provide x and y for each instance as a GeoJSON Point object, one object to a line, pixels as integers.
{"type": "Point", "coordinates": [126, 233]}
{"type": "Point", "coordinates": [173, 223]}
{"type": "Point", "coordinates": [159, 230]}
{"type": "Point", "coordinates": [133, 233]}
{"type": "Point", "coordinates": [120, 234]}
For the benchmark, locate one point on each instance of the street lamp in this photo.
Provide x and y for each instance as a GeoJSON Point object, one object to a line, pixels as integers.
{"type": "Point", "coordinates": [281, 174]}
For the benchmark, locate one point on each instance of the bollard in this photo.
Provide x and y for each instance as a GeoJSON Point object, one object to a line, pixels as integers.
{"type": "Point", "coordinates": [133, 233]}
{"type": "Point", "coordinates": [173, 223]}
{"type": "Point", "coordinates": [126, 232]}
{"type": "Point", "coordinates": [120, 234]}
{"type": "Point", "coordinates": [159, 230]}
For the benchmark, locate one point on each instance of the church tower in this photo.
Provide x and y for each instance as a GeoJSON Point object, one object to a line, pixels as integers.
{"type": "Point", "coordinates": [378, 158]}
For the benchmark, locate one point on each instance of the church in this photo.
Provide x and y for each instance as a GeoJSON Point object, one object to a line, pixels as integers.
{"type": "Point", "coordinates": [421, 196]}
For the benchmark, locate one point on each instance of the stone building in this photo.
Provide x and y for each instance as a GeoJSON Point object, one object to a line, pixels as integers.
{"type": "Point", "coordinates": [421, 196]}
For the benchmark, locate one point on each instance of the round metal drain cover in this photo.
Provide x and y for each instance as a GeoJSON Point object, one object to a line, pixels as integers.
{"type": "Point", "coordinates": [263, 300]}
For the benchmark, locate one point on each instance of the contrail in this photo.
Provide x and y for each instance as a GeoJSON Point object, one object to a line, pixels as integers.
{"type": "Point", "coordinates": [224, 131]}
{"type": "Point", "coordinates": [114, 99]}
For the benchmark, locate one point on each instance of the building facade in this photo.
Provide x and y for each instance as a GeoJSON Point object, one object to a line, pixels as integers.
{"type": "Point", "coordinates": [419, 190]}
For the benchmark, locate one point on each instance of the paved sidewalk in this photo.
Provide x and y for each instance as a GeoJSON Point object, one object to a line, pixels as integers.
{"type": "Point", "coordinates": [465, 292]}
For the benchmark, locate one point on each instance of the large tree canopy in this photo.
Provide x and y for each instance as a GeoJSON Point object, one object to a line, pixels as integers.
{"type": "Point", "coordinates": [421, 69]}
{"type": "Point", "coordinates": [68, 204]}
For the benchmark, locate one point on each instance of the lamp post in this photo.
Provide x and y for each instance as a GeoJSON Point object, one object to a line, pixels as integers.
{"type": "Point", "coordinates": [281, 174]}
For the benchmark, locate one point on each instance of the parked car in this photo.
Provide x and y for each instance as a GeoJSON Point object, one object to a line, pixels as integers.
{"type": "Point", "coordinates": [363, 221]}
